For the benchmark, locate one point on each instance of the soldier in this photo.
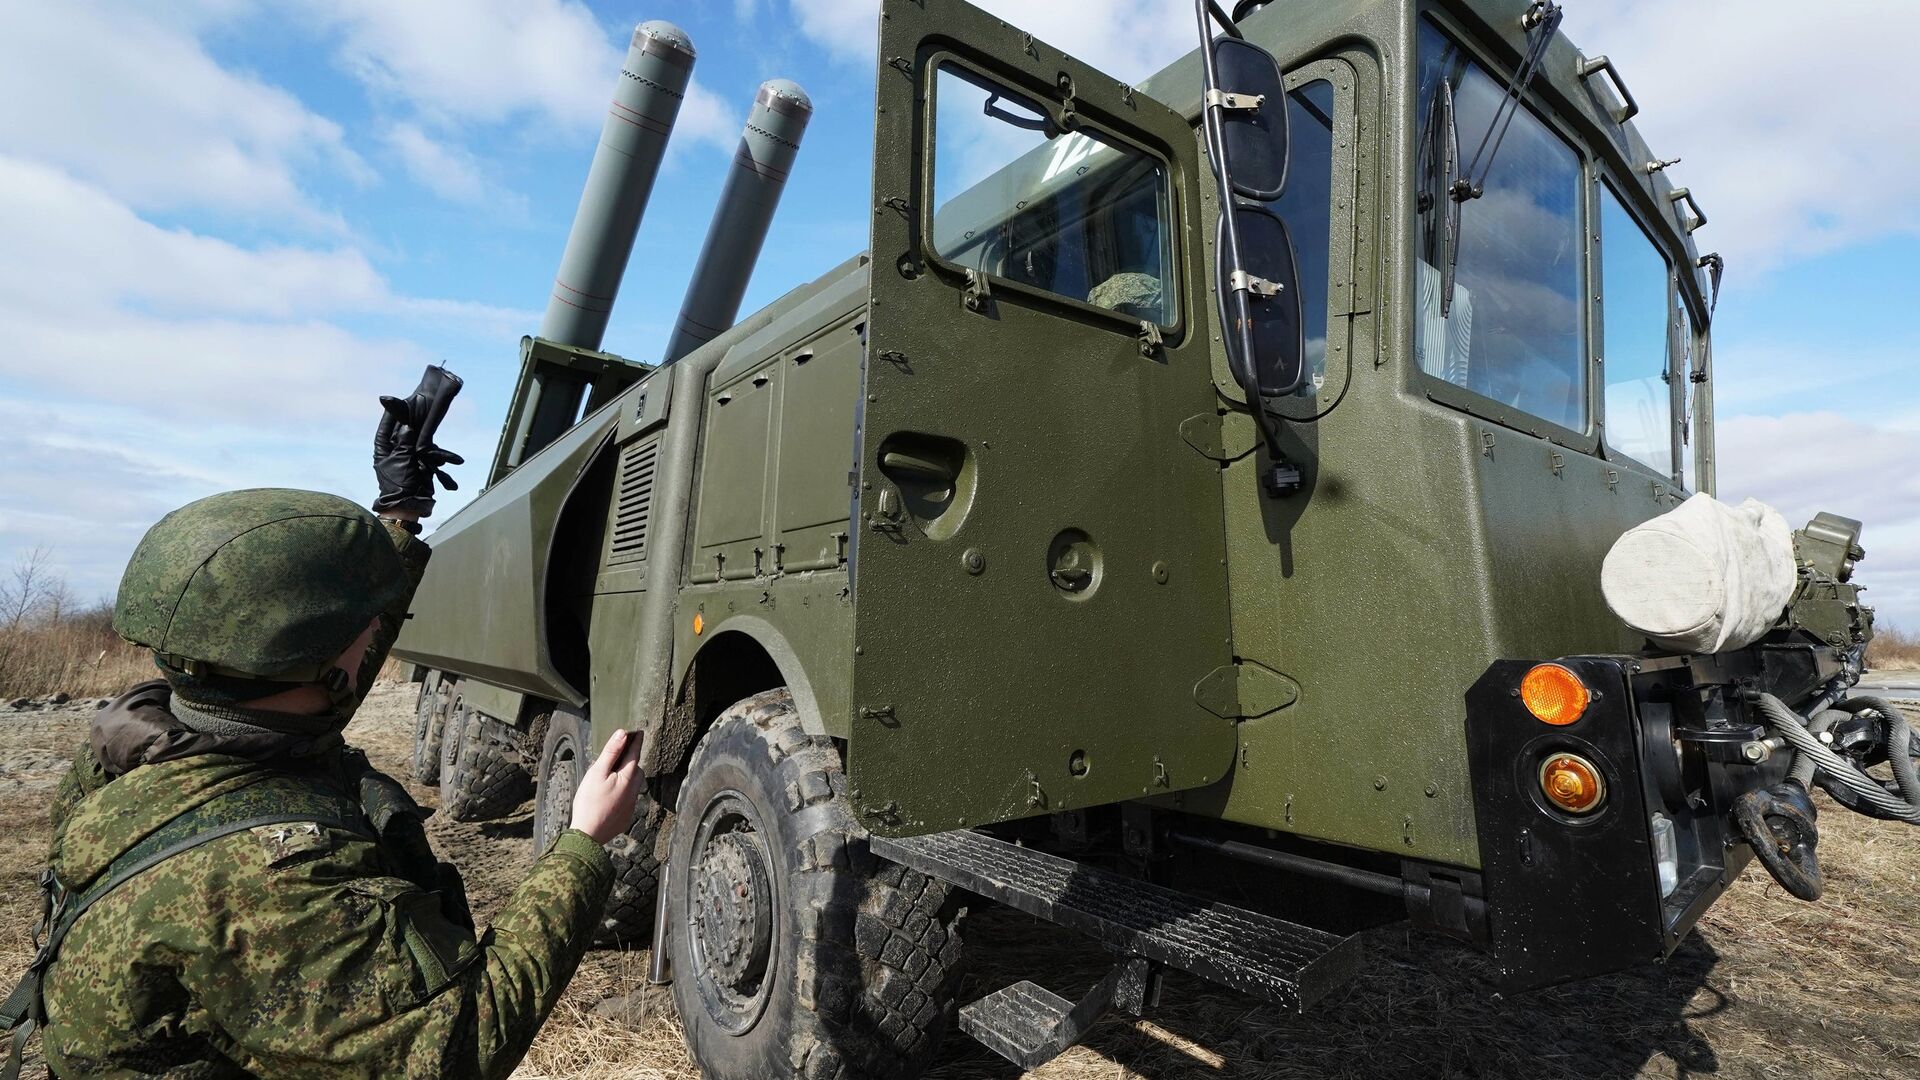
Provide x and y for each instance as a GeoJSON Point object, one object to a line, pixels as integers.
{"type": "Point", "coordinates": [257, 898]}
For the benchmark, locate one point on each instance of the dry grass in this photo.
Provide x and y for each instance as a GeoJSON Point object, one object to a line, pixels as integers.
{"type": "Point", "coordinates": [1894, 649]}
{"type": "Point", "coordinates": [77, 654]}
{"type": "Point", "coordinates": [1767, 988]}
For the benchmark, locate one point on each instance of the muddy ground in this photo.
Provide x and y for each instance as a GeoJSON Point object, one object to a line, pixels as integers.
{"type": "Point", "coordinates": [1767, 987]}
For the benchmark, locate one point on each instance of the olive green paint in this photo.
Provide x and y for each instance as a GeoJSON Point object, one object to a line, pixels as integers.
{"type": "Point", "coordinates": [1331, 634]}
{"type": "Point", "coordinates": [974, 690]}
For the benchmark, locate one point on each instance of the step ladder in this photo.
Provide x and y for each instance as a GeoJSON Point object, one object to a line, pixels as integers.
{"type": "Point", "coordinates": [1147, 925]}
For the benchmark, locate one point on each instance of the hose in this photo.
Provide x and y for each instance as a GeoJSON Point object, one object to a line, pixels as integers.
{"type": "Point", "coordinates": [1835, 769]}
{"type": "Point", "coordinates": [1899, 733]}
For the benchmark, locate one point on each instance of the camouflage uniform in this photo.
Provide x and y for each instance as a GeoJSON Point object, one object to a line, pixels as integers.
{"type": "Point", "coordinates": [336, 947]}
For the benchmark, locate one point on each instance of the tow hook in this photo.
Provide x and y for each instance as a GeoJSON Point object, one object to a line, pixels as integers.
{"type": "Point", "coordinates": [1779, 824]}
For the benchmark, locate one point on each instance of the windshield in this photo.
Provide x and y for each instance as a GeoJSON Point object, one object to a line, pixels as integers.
{"type": "Point", "coordinates": [1513, 330]}
{"type": "Point", "coordinates": [1072, 213]}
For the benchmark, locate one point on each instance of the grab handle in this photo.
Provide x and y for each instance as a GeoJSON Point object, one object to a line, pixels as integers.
{"type": "Point", "coordinates": [1699, 217]}
{"type": "Point", "coordinates": [1629, 108]}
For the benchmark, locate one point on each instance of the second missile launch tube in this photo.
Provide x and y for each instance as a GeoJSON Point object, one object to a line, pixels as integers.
{"type": "Point", "coordinates": [759, 174]}
{"type": "Point", "coordinates": [653, 82]}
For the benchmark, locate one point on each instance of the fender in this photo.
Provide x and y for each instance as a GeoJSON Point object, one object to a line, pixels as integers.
{"type": "Point", "coordinates": [778, 649]}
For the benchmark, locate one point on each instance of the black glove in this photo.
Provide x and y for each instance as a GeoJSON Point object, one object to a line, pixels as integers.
{"type": "Point", "coordinates": [405, 460]}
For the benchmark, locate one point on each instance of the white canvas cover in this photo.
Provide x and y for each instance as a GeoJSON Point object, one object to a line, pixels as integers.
{"type": "Point", "coordinates": [1703, 577]}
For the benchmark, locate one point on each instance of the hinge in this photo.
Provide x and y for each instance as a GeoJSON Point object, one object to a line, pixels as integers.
{"type": "Point", "coordinates": [978, 291]}
{"type": "Point", "coordinates": [1150, 339]}
{"type": "Point", "coordinates": [1245, 690]}
{"type": "Point", "coordinates": [1220, 438]}
{"type": "Point", "coordinates": [1226, 99]}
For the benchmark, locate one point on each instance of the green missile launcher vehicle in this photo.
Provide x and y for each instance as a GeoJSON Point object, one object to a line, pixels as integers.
{"type": "Point", "coordinates": [1215, 585]}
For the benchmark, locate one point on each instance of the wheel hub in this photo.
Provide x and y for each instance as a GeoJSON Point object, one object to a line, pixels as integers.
{"type": "Point", "coordinates": [732, 912]}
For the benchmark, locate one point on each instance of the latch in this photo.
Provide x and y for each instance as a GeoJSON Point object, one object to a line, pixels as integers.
{"type": "Point", "coordinates": [1227, 99]}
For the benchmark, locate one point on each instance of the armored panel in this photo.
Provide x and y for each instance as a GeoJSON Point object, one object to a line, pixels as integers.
{"type": "Point", "coordinates": [819, 402]}
{"type": "Point", "coordinates": [1038, 579]}
{"type": "Point", "coordinates": [731, 520]}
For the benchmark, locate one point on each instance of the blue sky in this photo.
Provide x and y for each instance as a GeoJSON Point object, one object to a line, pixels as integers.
{"type": "Point", "coordinates": [226, 225]}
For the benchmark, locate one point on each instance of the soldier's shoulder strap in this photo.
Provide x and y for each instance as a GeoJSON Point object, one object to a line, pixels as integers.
{"type": "Point", "coordinates": [272, 800]}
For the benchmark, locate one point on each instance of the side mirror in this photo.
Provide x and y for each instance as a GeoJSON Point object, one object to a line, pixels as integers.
{"type": "Point", "coordinates": [1253, 119]}
{"type": "Point", "coordinates": [1271, 309]}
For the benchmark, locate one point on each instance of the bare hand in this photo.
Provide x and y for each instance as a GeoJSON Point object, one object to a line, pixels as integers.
{"type": "Point", "coordinates": [603, 806]}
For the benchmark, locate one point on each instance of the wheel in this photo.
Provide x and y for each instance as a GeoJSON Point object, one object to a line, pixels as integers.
{"type": "Point", "coordinates": [564, 756]}
{"type": "Point", "coordinates": [482, 773]}
{"type": "Point", "coordinates": [796, 952]}
{"type": "Point", "coordinates": [430, 726]}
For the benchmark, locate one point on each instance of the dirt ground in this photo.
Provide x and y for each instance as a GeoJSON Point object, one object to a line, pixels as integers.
{"type": "Point", "coordinates": [1768, 987]}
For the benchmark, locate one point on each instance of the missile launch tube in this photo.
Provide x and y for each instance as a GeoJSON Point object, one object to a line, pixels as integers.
{"type": "Point", "coordinates": [759, 174]}
{"type": "Point", "coordinates": [653, 82]}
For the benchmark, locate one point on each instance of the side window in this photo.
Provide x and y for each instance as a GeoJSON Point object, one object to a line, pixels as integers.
{"type": "Point", "coordinates": [1073, 213]}
{"type": "Point", "coordinates": [1307, 208]}
{"type": "Point", "coordinates": [1634, 280]}
{"type": "Point", "coordinates": [1513, 329]}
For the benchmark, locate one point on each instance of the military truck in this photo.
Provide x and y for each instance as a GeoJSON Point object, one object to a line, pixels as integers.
{"type": "Point", "coordinates": [1212, 584]}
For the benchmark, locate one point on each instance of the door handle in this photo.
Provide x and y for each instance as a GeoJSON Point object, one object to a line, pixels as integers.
{"type": "Point", "coordinates": [900, 464]}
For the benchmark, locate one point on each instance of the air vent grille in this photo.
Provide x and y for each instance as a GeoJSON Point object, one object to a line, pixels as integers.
{"type": "Point", "coordinates": [633, 508]}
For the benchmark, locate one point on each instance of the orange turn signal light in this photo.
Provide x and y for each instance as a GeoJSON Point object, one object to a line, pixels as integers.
{"type": "Point", "coordinates": [1572, 783]}
{"type": "Point", "coordinates": [699, 624]}
{"type": "Point", "coordinates": [1554, 694]}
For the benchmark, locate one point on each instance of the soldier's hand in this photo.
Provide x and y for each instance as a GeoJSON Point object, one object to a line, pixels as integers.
{"type": "Point", "coordinates": [603, 806]}
{"type": "Point", "coordinates": [405, 466]}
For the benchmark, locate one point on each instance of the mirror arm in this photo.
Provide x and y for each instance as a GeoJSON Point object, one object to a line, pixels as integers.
{"type": "Point", "coordinates": [1282, 477]}
{"type": "Point", "coordinates": [1220, 15]}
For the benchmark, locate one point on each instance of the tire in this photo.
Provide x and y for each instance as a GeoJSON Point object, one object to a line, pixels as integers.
{"type": "Point", "coordinates": [430, 727]}
{"type": "Point", "coordinates": [796, 952]}
{"type": "Point", "coordinates": [564, 756]}
{"type": "Point", "coordinates": [483, 775]}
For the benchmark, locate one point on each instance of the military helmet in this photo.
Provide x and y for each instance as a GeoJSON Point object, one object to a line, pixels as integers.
{"type": "Point", "coordinates": [267, 583]}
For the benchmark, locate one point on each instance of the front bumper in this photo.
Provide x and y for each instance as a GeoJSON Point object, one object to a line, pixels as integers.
{"type": "Point", "coordinates": [1575, 896]}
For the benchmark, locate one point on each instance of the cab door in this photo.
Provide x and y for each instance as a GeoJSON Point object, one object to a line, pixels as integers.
{"type": "Point", "coordinates": [1039, 579]}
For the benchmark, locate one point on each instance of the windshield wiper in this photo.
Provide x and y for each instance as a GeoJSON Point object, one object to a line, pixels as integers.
{"type": "Point", "coordinates": [1542, 18]}
{"type": "Point", "coordinates": [1440, 153]}
{"type": "Point", "coordinates": [1442, 149]}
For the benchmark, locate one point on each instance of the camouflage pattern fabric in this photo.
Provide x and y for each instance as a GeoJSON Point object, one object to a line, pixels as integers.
{"type": "Point", "coordinates": [299, 950]}
{"type": "Point", "coordinates": [1130, 293]}
{"type": "Point", "coordinates": [296, 952]}
{"type": "Point", "coordinates": [262, 581]}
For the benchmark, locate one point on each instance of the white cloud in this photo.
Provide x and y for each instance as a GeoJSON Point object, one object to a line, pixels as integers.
{"type": "Point", "coordinates": [133, 103]}
{"type": "Point", "coordinates": [1803, 463]}
{"type": "Point", "coordinates": [147, 366]}
{"type": "Point", "coordinates": [1797, 128]}
{"type": "Point", "coordinates": [448, 170]}
{"type": "Point", "coordinates": [461, 62]}
{"type": "Point", "coordinates": [68, 248]}
{"type": "Point", "coordinates": [1128, 39]}
{"type": "Point", "coordinates": [484, 60]}
{"type": "Point", "coordinates": [706, 119]}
